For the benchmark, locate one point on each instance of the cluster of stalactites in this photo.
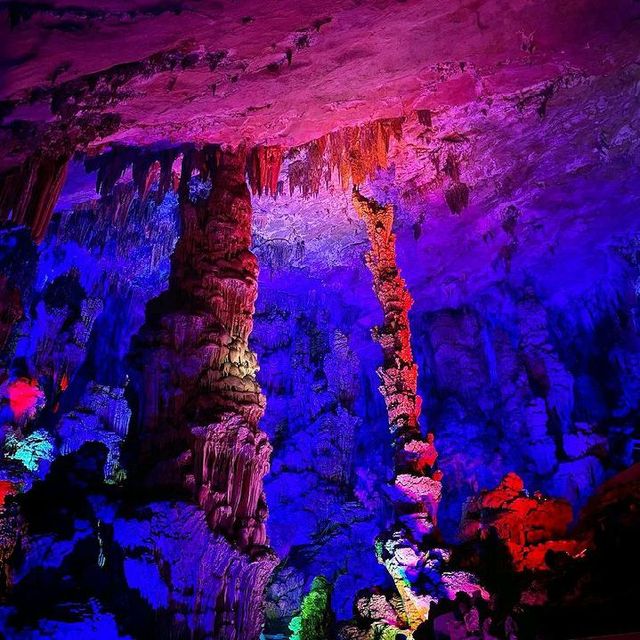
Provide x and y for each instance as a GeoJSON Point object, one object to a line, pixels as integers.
{"type": "Point", "coordinates": [151, 166]}
{"type": "Point", "coordinates": [29, 193]}
{"type": "Point", "coordinates": [168, 167]}
{"type": "Point", "coordinates": [353, 153]}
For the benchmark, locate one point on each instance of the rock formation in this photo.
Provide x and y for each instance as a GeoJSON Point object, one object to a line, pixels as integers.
{"type": "Point", "coordinates": [530, 527]}
{"type": "Point", "coordinates": [504, 137]}
{"type": "Point", "coordinates": [417, 569]}
{"type": "Point", "coordinates": [199, 402]}
{"type": "Point", "coordinates": [316, 620]}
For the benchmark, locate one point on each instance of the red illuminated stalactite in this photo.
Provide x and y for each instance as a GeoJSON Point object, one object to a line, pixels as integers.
{"type": "Point", "coordinates": [263, 169]}
{"type": "Point", "coordinates": [29, 195]}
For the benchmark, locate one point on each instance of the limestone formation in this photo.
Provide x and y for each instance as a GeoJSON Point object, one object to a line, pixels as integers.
{"type": "Point", "coordinates": [199, 402]}
{"type": "Point", "coordinates": [29, 193]}
{"type": "Point", "coordinates": [415, 565]}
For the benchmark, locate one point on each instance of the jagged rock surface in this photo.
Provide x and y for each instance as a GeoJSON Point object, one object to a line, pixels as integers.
{"type": "Point", "coordinates": [530, 527]}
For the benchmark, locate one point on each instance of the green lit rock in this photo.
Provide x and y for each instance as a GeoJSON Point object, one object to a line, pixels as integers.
{"type": "Point", "coordinates": [316, 618]}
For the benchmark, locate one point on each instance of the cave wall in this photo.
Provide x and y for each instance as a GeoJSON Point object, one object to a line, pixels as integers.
{"type": "Point", "coordinates": [511, 382]}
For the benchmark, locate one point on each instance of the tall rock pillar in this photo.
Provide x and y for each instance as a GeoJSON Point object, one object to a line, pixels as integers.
{"type": "Point", "coordinates": [414, 565]}
{"type": "Point", "coordinates": [199, 401]}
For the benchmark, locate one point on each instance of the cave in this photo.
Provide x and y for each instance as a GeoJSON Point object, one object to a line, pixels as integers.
{"type": "Point", "coordinates": [320, 320]}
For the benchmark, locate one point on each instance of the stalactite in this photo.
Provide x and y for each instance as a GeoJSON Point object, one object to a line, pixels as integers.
{"type": "Point", "coordinates": [263, 169]}
{"type": "Point", "coordinates": [199, 399]}
{"type": "Point", "coordinates": [353, 154]}
{"type": "Point", "coordinates": [120, 201]}
{"type": "Point", "coordinates": [110, 169]}
{"type": "Point", "coordinates": [28, 195]}
{"type": "Point", "coordinates": [147, 166]}
{"type": "Point", "coordinates": [457, 197]}
{"type": "Point", "coordinates": [166, 160]}
{"type": "Point", "coordinates": [305, 173]}
{"type": "Point", "coordinates": [141, 173]}
{"type": "Point", "coordinates": [417, 489]}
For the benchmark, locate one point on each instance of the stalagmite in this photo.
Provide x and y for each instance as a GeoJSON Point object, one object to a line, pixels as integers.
{"type": "Point", "coordinates": [199, 400]}
{"type": "Point", "coordinates": [416, 569]}
{"type": "Point", "coordinates": [399, 372]}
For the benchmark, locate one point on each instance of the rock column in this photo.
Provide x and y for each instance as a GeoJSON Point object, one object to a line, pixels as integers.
{"type": "Point", "coordinates": [416, 569]}
{"type": "Point", "coordinates": [199, 401]}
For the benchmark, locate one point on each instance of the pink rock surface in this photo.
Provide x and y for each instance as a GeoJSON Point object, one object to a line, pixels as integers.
{"type": "Point", "coordinates": [285, 73]}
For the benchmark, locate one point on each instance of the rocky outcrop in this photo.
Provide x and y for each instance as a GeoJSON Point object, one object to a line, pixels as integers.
{"type": "Point", "coordinates": [529, 526]}
{"type": "Point", "coordinates": [211, 591]}
{"type": "Point", "coordinates": [199, 402]}
{"type": "Point", "coordinates": [102, 415]}
{"type": "Point", "coordinates": [315, 620]}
